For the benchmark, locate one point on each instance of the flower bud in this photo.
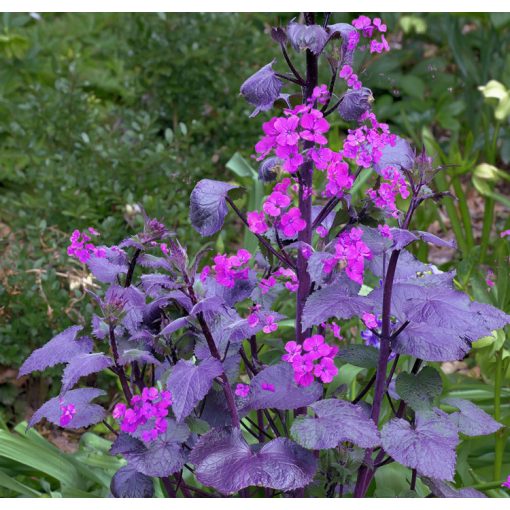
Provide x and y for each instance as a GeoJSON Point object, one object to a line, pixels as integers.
{"type": "Point", "coordinates": [355, 103]}
{"type": "Point", "coordinates": [262, 89]}
{"type": "Point", "coordinates": [269, 169]}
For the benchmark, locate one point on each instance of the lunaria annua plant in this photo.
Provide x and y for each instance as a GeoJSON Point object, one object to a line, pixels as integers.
{"type": "Point", "coordinates": [209, 381]}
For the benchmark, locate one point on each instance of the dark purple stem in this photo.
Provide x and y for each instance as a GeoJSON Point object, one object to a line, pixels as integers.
{"type": "Point", "coordinates": [364, 474]}
{"type": "Point", "coordinates": [119, 369]}
{"type": "Point", "coordinates": [305, 196]}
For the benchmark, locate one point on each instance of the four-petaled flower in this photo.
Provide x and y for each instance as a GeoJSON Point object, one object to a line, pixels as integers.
{"type": "Point", "coordinates": [291, 222]}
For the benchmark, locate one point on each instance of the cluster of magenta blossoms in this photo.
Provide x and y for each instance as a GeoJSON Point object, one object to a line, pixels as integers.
{"type": "Point", "coordinates": [81, 246]}
{"type": "Point", "coordinates": [148, 413]}
{"type": "Point", "coordinates": [313, 359]}
{"type": "Point", "coordinates": [227, 270]}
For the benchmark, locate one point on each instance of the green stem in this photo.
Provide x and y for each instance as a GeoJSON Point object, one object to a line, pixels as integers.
{"type": "Point", "coordinates": [452, 213]}
{"type": "Point", "coordinates": [488, 485]}
{"type": "Point", "coordinates": [488, 218]}
{"type": "Point", "coordinates": [464, 212]}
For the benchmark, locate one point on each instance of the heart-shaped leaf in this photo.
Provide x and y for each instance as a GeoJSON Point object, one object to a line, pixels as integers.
{"type": "Point", "coordinates": [208, 206]}
{"type": "Point", "coordinates": [427, 446]}
{"type": "Point", "coordinates": [223, 460]}
{"type": "Point", "coordinates": [335, 421]}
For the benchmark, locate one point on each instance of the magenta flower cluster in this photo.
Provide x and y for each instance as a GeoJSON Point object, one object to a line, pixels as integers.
{"type": "Point", "coordinates": [148, 411]}
{"type": "Point", "coordinates": [368, 28]}
{"type": "Point", "coordinates": [313, 359]}
{"type": "Point", "coordinates": [228, 269]}
{"type": "Point", "coordinates": [81, 247]}
{"type": "Point", "coordinates": [351, 253]}
{"type": "Point", "coordinates": [256, 317]}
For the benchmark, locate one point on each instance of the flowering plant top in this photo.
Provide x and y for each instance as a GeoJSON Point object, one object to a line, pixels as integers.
{"type": "Point", "coordinates": [210, 382]}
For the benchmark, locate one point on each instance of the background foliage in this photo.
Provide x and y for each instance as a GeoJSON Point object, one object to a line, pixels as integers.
{"type": "Point", "coordinates": [100, 112]}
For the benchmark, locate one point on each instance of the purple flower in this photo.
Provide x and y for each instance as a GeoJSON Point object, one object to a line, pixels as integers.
{"type": "Point", "coordinates": [275, 202]}
{"type": "Point", "coordinates": [316, 347]}
{"type": "Point", "coordinates": [326, 370]}
{"type": "Point", "coordinates": [292, 223]}
{"type": "Point", "coordinates": [256, 222]}
{"type": "Point", "coordinates": [293, 351]}
{"type": "Point", "coordinates": [314, 125]}
{"type": "Point", "coordinates": [286, 130]}
{"type": "Point", "coordinates": [507, 483]}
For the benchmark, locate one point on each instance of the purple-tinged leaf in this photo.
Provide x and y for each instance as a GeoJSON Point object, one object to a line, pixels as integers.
{"type": "Point", "coordinates": [189, 384]}
{"type": "Point", "coordinates": [161, 457]}
{"type": "Point", "coordinates": [471, 420]}
{"type": "Point", "coordinates": [355, 103]}
{"type": "Point", "coordinates": [86, 413]}
{"type": "Point", "coordinates": [154, 284]}
{"type": "Point", "coordinates": [129, 483]}
{"type": "Point", "coordinates": [104, 270]}
{"type": "Point", "coordinates": [442, 489]}
{"type": "Point", "coordinates": [421, 340]}
{"type": "Point", "coordinates": [400, 156]}
{"type": "Point", "coordinates": [343, 30]}
{"type": "Point", "coordinates": [262, 89]}
{"type": "Point", "coordinates": [216, 412]}
{"type": "Point", "coordinates": [179, 297]}
{"type": "Point", "coordinates": [419, 390]}
{"type": "Point", "coordinates": [208, 206]}
{"type": "Point", "coordinates": [335, 421]}
{"type": "Point", "coordinates": [402, 238]}
{"type": "Point", "coordinates": [286, 395]}
{"type": "Point", "coordinates": [124, 443]}
{"type": "Point", "coordinates": [307, 37]}
{"type": "Point", "coordinates": [82, 365]}
{"type": "Point", "coordinates": [60, 349]}
{"type": "Point", "coordinates": [340, 300]}
{"type": "Point", "coordinates": [427, 446]}
{"type": "Point", "coordinates": [489, 317]}
{"type": "Point", "coordinates": [209, 304]}
{"type": "Point", "coordinates": [100, 329]}
{"type": "Point", "coordinates": [223, 460]}
{"type": "Point", "coordinates": [153, 262]}
{"type": "Point", "coordinates": [140, 355]}
{"type": "Point", "coordinates": [408, 266]}
{"type": "Point", "coordinates": [315, 267]}
{"type": "Point", "coordinates": [174, 326]}
{"type": "Point", "coordinates": [433, 239]}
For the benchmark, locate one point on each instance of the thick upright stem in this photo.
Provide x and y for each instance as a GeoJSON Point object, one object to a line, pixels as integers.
{"type": "Point", "coordinates": [305, 195]}
{"type": "Point", "coordinates": [119, 369]}
{"type": "Point", "coordinates": [364, 474]}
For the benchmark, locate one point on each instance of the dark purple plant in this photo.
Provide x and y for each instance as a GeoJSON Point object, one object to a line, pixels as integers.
{"type": "Point", "coordinates": [207, 384]}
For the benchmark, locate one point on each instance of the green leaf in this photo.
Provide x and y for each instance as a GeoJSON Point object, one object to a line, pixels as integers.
{"type": "Point", "coordinates": [364, 356]}
{"type": "Point", "coordinates": [241, 167]}
{"type": "Point", "coordinates": [418, 391]}
{"type": "Point", "coordinates": [12, 484]}
{"type": "Point", "coordinates": [39, 457]}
